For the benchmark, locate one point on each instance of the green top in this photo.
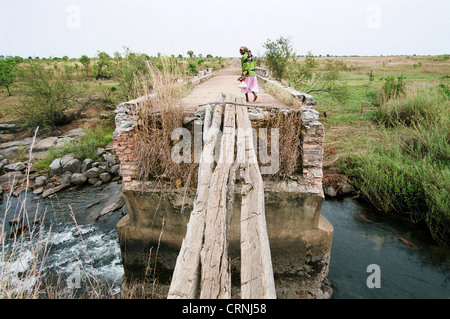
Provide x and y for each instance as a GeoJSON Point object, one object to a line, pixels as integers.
{"type": "Point", "coordinates": [248, 65]}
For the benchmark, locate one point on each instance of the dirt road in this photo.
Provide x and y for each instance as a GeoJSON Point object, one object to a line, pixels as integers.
{"type": "Point", "coordinates": [224, 81]}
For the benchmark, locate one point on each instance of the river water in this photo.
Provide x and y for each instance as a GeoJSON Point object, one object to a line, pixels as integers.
{"type": "Point", "coordinates": [404, 272]}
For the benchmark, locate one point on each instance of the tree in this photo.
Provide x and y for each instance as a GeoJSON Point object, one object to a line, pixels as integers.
{"type": "Point", "coordinates": [7, 76]}
{"type": "Point", "coordinates": [277, 56]}
{"type": "Point", "coordinates": [103, 65]}
{"type": "Point", "coordinates": [48, 96]}
{"type": "Point", "coordinates": [86, 61]}
{"type": "Point", "coordinates": [190, 53]}
{"type": "Point", "coordinates": [310, 77]}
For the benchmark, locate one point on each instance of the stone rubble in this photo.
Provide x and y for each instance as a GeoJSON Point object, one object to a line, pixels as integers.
{"type": "Point", "coordinates": [63, 172]}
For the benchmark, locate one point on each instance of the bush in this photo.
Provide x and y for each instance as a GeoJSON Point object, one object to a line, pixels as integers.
{"type": "Point", "coordinates": [277, 56]}
{"type": "Point", "coordinates": [7, 74]}
{"type": "Point", "coordinates": [48, 96]}
{"type": "Point", "coordinates": [310, 77]}
{"type": "Point", "coordinates": [424, 106]}
{"type": "Point", "coordinates": [193, 67]}
{"type": "Point", "coordinates": [392, 88]}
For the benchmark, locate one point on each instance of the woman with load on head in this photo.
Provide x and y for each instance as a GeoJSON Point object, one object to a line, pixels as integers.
{"type": "Point", "coordinates": [248, 73]}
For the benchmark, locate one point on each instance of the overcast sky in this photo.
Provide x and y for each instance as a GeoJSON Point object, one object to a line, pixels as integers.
{"type": "Point", "coordinates": [48, 28]}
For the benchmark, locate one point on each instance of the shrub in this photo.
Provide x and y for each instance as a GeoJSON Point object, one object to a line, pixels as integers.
{"type": "Point", "coordinates": [392, 88]}
{"type": "Point", "coordinates": [309, 77]}
{"type": "Point", "coordinates": [7, 74]}
{"type": "Point", "coordinates": [48, 96]}
{"type": "Point", "coordinates": [277, 56]}
{"type": "Point", "coordinates": [193, 67]}
{"type": "Point", "coordinates": [424, 106]}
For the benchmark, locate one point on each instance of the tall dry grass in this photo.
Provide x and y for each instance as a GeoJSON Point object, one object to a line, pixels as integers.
{"type": "Point", "coordinates": [289, 143]}
{"type": "Point", "coordinates": [159, 117]}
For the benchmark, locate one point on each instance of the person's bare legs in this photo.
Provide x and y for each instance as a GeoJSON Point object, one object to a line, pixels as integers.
{"type": "Point", "coordinates": [255, 96]}
{"type": "Point", "coordinates": [246, 97]}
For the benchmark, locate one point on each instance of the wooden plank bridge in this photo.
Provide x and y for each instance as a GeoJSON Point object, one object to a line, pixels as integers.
{"type": "Point", "coordinates": [203, 268]}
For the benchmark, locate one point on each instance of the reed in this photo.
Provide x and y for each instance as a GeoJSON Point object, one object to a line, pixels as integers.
{"type": "Point", "coordinates": [160, 116]}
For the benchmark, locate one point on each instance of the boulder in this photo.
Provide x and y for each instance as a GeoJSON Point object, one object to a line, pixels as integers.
{"type": "Point", "coordinates": [104, 168]}
{"type": "Point", "coordinates": [100, 151]}
{"type": "Point", "coordinates": [67, 158]}
{"type": "Point", "coordinates": [94, 172]}
{"type": "Point", "coordinates": [45, 144]}
{"type": "Point", "coordinates": [78, 179]}
{"type": "Point", "coordinates": [19, 166]}
{"type": "Point", "coordinates": [347, 188]}
{"type": "Point", "coordinates": [75, 133]}
{"type": "Point", "coordinates": [63, 140]}
{"type": "Point", "coordinates": [54, 190]}
{"type": "Point", "coordinates": [110, 159]}
{"type": "Point", "coordinates": [115, 169]}
{"type": "Point", "coordinates": [330, 191]}
{"type": "Point", "coordinates": [93, 180]}
{"type": "Point", "coordinates": [66, 178]}
{"type": "Point", "coordinates": [86, 165]}
{"type": "Point", "coordinates": [16, 175]}
{"type": "Point", "coordinates": [55, 167]}
{"type": "Point", "coordinates": [73, 166]}
{"type": "Point", "coordinates": [38, 191]}
{"type": "Point", "coordinates": [118, 204]}
{"type": "Point", "coordinates": [40, 181]}
{"type": "Point", "coordinates": [105, 177]}
{"type": "Point", "coordinates": [18, 143]}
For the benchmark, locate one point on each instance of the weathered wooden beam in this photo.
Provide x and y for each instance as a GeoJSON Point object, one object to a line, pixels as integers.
{"type": "Point", "coordinates": [234, 103]}
{"type": "Point", "coordinates": [257, 280]}
{"type": "Point", "coordinates": [215, 270]}
{"type": "Point", "coordinates": [185, 279]}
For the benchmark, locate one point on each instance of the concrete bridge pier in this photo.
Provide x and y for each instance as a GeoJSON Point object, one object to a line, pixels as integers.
{"type": "Point", "coordinates": [300, 238]}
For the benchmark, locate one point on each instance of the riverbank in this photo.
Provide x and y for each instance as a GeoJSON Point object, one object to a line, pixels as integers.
{"type": "Point", "coordinates": [394, 152]}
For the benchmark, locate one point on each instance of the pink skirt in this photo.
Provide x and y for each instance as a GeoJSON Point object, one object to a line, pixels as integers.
{"type": "Point", "coordinates": [252, 84]}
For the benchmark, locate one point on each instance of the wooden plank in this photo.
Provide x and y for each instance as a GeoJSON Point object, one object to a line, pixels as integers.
{"type": "Point", "coordinates": [257, 280]}
{"type": "Point", "coordinates": [185, 279]}
{"type": "Point", "coordinates": [215, 268]}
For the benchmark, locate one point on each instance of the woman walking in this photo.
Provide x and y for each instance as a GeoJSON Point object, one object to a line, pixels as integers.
{"type": "Point", "coordinates": [248, 73]}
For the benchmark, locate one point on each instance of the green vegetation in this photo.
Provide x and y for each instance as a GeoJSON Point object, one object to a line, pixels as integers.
{"type": "Point", "coordinates": [387, 129]}
{"type": "Point", "coordinates": [7, 76]}
{"type": "Point", "coordinates": [86, 147]}
{"type": "Point", "coordinates": [47, 96]}
{"type": "Point", "coordinates": [408, 174]}
{"type": "Point", "coordinates": [278, 54]}
{"type": "Point", "coordinates": [55, 91]}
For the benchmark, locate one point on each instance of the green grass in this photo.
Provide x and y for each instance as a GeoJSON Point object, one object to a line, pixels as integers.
{"type": "Point", "coordinates": [407, 173]}
{"type": "Point", "coordinates": [86, 147]}
{"type": "Point", "coordinates": [396, 153]}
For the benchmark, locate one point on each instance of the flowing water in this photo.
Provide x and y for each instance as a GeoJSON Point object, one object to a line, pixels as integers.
{"type": "Point", "coordinates": [361, 238]}
{"type": "Point", "coordinates": [80, 248]}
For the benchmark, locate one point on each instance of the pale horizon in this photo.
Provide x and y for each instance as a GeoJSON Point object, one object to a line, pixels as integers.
{"type": "Point", "coordinates": [56, 28]}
